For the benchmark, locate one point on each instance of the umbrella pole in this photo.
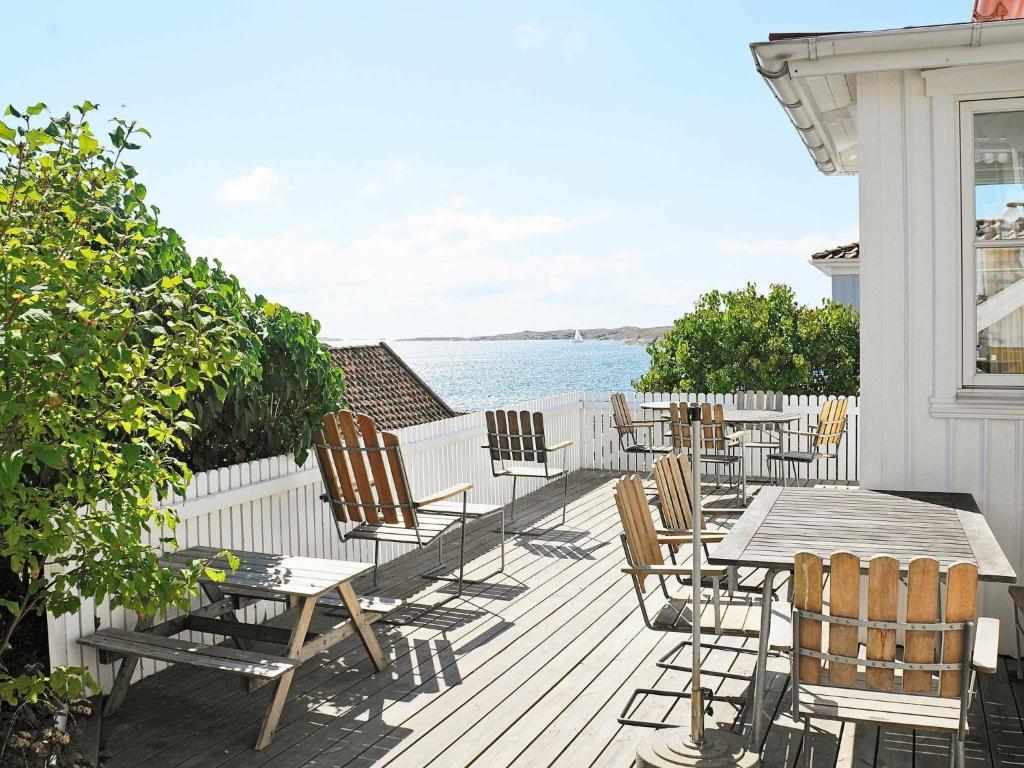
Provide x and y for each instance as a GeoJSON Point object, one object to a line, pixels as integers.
{"type": "Point", "coordinates": [697, 693]}
{"type": "Point", "coordinates": [696, 746]}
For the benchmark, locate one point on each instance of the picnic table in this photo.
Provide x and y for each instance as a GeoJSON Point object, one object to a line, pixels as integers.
{"type": "Point", "coordinates": [301, 582]}
{"type": "Point", "coordinates": [903, 524]}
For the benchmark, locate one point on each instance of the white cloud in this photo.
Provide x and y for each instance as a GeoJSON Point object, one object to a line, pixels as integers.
{"type": "Point", "coordinates": [530, 36]}
{"type": "Point", "coordinates": [397, 172]}
{"type": "Point", "coordinates": [254, 188]}
{"type": "Point", "coordinates": [455, 269]}
{"type": "Point", "coordinates": [575, 43]}
{"type": "Point", "coordinates": [777, 246]}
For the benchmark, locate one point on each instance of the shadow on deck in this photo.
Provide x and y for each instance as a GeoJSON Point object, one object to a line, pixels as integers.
{"type": "Point", "coordinates": [530, 668]}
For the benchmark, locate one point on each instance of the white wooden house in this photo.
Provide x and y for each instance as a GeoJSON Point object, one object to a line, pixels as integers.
{"type": "Point", "coordinates": [932, 121]}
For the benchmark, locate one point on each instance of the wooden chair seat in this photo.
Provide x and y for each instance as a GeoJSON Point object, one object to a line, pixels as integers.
{"type": "Point", "coordinates": [931, 713]}
{"type": "Point", "coordinates": [474, 511]}
{"type": "Point", "coordinates": [547, 473]}
{"type": "Point", "coordinates": [430, 526]}
{"type": "Point", "coordinates": [720, 458]}
{"type": "Point", "coordinates": [172, 650]}
{"type": "Point", "coordinates": [740, 616]}
{"type": "Point", "coordinates": [803, 457]}
{"type": "Point", "coordinates": [646, 448]}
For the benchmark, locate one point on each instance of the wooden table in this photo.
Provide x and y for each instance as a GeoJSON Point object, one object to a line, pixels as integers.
{"type": "Point", "coordinates": [903, 524]}
{"type": "Point", "coordinates": [737, 416]}
{"type": "Point", "coordinates": [302, 582]}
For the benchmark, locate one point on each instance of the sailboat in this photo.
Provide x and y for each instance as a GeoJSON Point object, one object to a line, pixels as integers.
{"type": "Point", "coordinates": [577, 338]}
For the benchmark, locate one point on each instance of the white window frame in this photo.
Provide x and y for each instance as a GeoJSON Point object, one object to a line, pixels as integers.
{"type": "Point", "coordinates": [972, 379]}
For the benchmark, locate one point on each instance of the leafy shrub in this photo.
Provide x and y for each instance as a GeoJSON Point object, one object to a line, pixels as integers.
{"type": "Point", "coordinates": [743, 340]}
{"type": "Point", "coordinates": [103, 342]}
{"type": "Point", "coordinates": [275, 412]}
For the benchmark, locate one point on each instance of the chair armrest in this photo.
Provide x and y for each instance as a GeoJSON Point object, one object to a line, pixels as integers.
{"type": "Point", "coordinates": [447, 493]}
{"type": "Point", "coordinates": [795, 432]}
{"type": "Point", "coordinates": [737, 438]}
{"type": "Point", "coordinates": [685, 536]}
{"type": "Point", "coordinates": [986, 645]}
{"type": "Point", "coordinates": [559, 446]}
{"type": "Point", "coordinates": [674, 570]}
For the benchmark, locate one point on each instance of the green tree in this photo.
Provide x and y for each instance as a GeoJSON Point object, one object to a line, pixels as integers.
{"type": "Point", "coordinates": [275, 412]}
{"type": "Point", "coordinates": [741, 339]}
{"type": "Point", "coordinates": [100, 352]}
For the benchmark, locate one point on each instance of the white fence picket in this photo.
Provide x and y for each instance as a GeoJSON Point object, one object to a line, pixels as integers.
{"type": "Point", "coordinates": [272, 505]}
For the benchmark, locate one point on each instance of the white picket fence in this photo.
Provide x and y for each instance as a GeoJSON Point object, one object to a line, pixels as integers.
{"type": "Point", "coordinates": [272, 505]}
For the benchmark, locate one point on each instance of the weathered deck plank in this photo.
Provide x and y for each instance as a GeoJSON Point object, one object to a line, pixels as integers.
{"type": "Point", "coordinates": [531, 669]}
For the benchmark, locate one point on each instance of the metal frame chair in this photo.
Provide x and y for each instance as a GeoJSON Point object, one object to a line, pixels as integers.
{"type": "Point", "coordinates": [823, 441]}
{"type": "Point", "coordinates": [367, 485]}
{"type": "Point", "coordinates": [735, 615]}
{"type": "Point", "coordinates": [517, 446]}
{"type": "Point", "coordinates": [826, 684]}
{"type": "Point", "coordinates": [718, 448]}
{"type": "Point", "coordinates": [627, 429]}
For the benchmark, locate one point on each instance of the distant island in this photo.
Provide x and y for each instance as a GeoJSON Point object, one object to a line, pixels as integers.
{"type": "Point", "coordinates": [627, 334]}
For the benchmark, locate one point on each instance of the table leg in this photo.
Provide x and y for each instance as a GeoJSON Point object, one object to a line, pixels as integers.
{"type": "Point", "coordinates": [362, 626]}
{"type": "Point", "coordinates": [295, 643]}
{"type": "Point", "coordinates": [125, 672]}
{"type": "Point", "coordinates": [215, 593]}
{"type": "Point", "coordinates": [761, 668]}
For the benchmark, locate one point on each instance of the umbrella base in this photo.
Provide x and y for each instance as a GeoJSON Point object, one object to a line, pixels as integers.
{"type": "Point", "coordinates": [673, 748]}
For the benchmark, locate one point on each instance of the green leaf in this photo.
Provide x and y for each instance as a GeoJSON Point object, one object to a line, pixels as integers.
{"type": "Point", "coordinates": [6, 132]}
{"type": "Point", "coordinates": [50, 455]}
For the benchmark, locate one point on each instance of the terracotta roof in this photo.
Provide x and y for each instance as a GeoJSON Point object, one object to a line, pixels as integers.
{"type": "Point", "coordinates": [851, 251]}
{"type": "Point", "coordinates": [380, 384]}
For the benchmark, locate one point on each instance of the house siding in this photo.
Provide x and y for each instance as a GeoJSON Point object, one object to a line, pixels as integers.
{"type": "Point", "coordinates": [846, 289]}
{"type": "Point", "coordinates": [910, 319]}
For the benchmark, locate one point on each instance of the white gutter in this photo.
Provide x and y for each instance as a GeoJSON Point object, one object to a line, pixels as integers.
{"type": "Point", "coordinates": [781, 61]}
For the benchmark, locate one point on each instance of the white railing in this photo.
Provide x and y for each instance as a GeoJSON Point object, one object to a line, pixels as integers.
{"type": "Point", "coordinates": [273, 505]}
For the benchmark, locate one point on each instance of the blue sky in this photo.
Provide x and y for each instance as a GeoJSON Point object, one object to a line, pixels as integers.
{"type": "Point", "coordinates": [404, 169]}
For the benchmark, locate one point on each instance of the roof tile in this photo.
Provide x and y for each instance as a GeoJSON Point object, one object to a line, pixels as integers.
{"type": "Point", "coordinates": [381, 385]}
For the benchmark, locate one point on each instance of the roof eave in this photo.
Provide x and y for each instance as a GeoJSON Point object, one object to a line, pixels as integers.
{"type": "Point", "coordinates": [782, 62]}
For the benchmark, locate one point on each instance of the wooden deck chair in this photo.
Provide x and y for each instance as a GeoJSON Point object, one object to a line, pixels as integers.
{"type": "Point", "coordinates": [763, 437]}
{"type": "Point", "coordinates": [367, 486]}
{"type": "Point", "coordinates": [673, 479]}
{"type": "Point", "coordinates": [729, 615]}
{"type": "Point", "coordinates": [517, 446]}
{"type": "Point", "coordinates": [719, 448]}
{"type": "Point", "coordinates": [631, 441]}
{"type": "Point", "coordinates": [928, 684]}
{"type": "Point", "coordinates": [823, 442]}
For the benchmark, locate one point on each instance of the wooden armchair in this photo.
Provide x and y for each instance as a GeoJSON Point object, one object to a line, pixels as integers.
{"type": "Point", "coordinates": [367, 485]}
{"type": "Point", "coordinates": [822, 443]}
{"type": "Point", "coordinates": [635, 437]}
{"type": "Point", "coordinates": [517, 445]}
{"type": "Point", "coordinates": [730, 615]}
{"type": "Point", "coordinates": [927, 686]}
{"type": "Point", "coordinates": [718, 447]}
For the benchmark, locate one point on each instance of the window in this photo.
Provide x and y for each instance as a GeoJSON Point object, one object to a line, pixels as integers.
{"type": "Point", "coordinates": [992, 140]}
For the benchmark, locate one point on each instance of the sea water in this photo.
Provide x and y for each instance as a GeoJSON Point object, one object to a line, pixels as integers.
{"type": "Point", "coordinates": [476, 375]}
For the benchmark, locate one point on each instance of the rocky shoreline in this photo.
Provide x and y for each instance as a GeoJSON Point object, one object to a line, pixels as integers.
{"type": "Point", "coordinates": [627, 334]}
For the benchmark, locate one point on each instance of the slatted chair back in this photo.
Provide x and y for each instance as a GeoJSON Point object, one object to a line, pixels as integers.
{"type": "Point", "coordinates": [831, 425]}
{"type": "Point", "coordinates": [680, 425]}
{"type": "Point", "coordinates": [637, 523]}
{"type": "Point", "coordinates": [713, 427]}
{"type": "Point", "coordinates": [363, 471]}
{"type": "Point", "coordinates": [516, 436]}
{"type": "Point", "coordinates": [937, 638]}
{"type": "Point", "coordinates": [674, 480]}
{"type": "Point", "coordinates": [622, 417]}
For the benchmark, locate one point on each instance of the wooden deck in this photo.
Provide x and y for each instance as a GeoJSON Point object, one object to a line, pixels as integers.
{"type": "Point", "coordinates": [529, 669]}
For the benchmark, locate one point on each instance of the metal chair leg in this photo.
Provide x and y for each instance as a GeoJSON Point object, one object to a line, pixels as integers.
{"type": "Point", "coordinates": [1016, 637]}
{"type": "Point", "coordinates": [565, 495]}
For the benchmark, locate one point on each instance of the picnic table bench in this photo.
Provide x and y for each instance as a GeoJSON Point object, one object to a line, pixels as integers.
{"type": "Point", "coordinates": [302, 582]}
